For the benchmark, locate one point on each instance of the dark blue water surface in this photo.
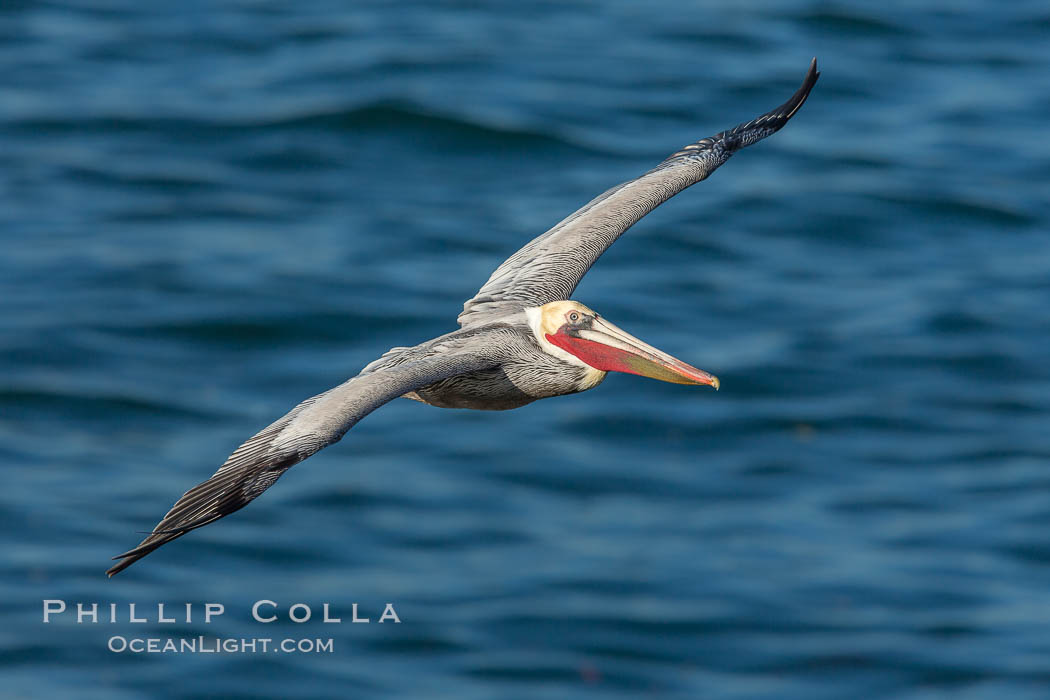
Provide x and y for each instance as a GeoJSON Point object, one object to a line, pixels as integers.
{"type": "Point", "coordinates": [210, 211]}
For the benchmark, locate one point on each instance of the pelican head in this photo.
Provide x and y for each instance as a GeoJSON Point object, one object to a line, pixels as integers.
{"type": "Point", "coordinates": [571, 331]}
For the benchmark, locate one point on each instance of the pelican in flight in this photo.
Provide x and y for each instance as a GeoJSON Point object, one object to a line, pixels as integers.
{"type": "Point", "coordinates": [520, 339]}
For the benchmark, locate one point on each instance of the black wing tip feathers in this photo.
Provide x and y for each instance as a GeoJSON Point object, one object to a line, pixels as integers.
{"type": "Point", "coordinates": [772, 121]}
{"type": "Point", "coordinates": [789, 108]}
{"type": "Point", "coordinates": [775, 119]}
{"type": "Point", "coordinates": [129, 557]}
{"type": "Point", "coordinates": [211, 500]}
{"type": "Point", "coordinates": [165, 534]}
{"type": "Point", "coordinates": [177, 523]}
{"type": "Point", "coordinates": [154, 540]}
{"type": "Point", "coordinates": [745, 134]}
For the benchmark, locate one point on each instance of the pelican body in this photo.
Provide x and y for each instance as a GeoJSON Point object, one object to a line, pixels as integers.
{"type": "Point", "coordinates": [520, 339]}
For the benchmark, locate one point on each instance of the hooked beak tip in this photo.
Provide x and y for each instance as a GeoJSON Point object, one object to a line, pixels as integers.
{"type": "Point", "coordinates": [715, 383]}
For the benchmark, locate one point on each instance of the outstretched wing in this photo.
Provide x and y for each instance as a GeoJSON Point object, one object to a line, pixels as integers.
{"type": "Point", "coordinates": [550, 267]}
{"type": "Point", "coordinates": [309, 427]}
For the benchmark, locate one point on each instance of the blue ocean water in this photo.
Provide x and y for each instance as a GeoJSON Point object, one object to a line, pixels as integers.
{"type": "Point", "coordinates": [210, 211]}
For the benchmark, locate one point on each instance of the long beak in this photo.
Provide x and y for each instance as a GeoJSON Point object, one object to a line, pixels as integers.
{"type": "Point", "coordinates": [610, 349]}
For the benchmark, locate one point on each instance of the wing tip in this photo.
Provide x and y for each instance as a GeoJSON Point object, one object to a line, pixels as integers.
{"type": "Point", "coordinates": [782, 114]}
{"type": "Point", "coordinates": [126, 560]}
{"type": "Point", "coordinates": [153, 541]}
{"type": "Point", "coordinates": [799, 98]}
{"type": "Point", "coordinates": [774, 120]}
{"type": "Point", "coordinates": [117, 568]}
{"type": "Point", "coordinates": [747, 133]}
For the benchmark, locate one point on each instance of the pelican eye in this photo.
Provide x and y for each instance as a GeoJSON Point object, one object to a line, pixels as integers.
{"type": "Point", "coordinates": [574, 317]}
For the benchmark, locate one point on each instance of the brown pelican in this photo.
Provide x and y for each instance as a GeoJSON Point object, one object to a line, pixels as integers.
{"type": "Point", "coordinates": [520, 339]}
